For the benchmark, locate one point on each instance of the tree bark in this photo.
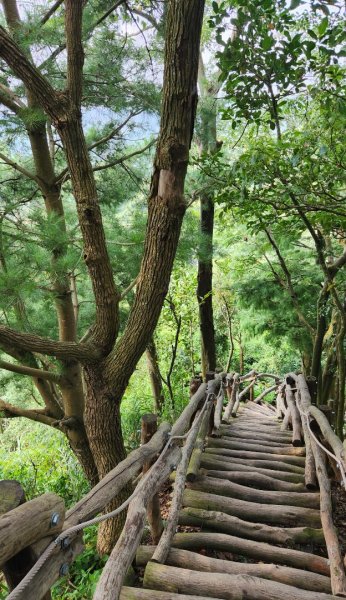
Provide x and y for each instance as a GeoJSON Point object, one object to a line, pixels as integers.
{"type": "Point", "coordinates": [155, 376]}
{"type": "Point", "coordinates": [208, 145]}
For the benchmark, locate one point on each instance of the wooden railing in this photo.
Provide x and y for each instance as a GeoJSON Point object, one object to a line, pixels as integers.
{"type": "Point", "coordinates": [28, 524]}
{"type": "Point", "coordinates": [44, 540]}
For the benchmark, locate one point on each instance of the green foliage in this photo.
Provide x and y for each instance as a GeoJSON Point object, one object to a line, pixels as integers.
{"type": "Point", "coordinates": [40, 459]}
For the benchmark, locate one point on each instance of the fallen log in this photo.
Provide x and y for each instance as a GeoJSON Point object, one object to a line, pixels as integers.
{"type": "Point", "coordinates": [224, 523]}
{"type": "Point", "coordinates": [290, 461]}
{"type": "Point", "coordinates": [197, 562]}
{"type": "Point", "coordinates": [213, 461]}
{"type": "Point", "coordinates": [230, 489]}
{"type": "Point", "coordinates": [253, 447]}
{"type": "Point", "coordinates": [253, 511]}
{"type": "Point", "coordinates": [228, 587]}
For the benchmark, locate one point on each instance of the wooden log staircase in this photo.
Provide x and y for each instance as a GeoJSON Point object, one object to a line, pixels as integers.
{"type": "Point", "coordinates": [251, 513]}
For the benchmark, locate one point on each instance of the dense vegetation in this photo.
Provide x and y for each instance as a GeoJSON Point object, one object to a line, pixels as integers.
{"type": "Point", "coordinates": [258, 279]}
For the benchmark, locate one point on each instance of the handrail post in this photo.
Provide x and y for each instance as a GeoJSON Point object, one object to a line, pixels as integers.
{"type": "Point", "coordinates": [148, 428]}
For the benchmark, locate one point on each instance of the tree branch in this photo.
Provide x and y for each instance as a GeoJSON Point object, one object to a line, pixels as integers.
{"type": "Point", "coordinates": [146, 16]}
{"type": "Point", "coordinates": [290, 287]}
{"type": "Point", "coordinates": [18, 168]}
{"type": "Point", "coordinates": [62, 47]}
{"type": "Point", "coordinates": [24, 370]}
{"type": "Point", "coordinates": [11, 411]}
{"type": "Point", "coordinates": [53, 102]}
{"type": "Point", "coordinates": [337, 265]}
{"type": "Point", "coordinates": [35, 343]}
{"type": "Point", "coordinates": [107, 13]}
{"type": "Point", "coordinates": [9, 99]}
{"type": "Point", "coordinates": [129, 288]}
{"type": "Point", "coordinates": [114, 131]}
{"type": "Point", "coordinates": [122, 159]}
{"type": "Point", "coordinates": [64, 176]}
{"type": "Point", "coordinates": [51, 11]}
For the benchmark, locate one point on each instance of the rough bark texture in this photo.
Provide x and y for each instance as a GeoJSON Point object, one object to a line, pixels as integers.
{"type": "Point", "coordinates": [155, 376]}
{"type": "Point", "coordinates": [224, 523]}
{"type": "Point", "coordinates": [191, 560]}
{"type": "Point", "coordinates": [229, 587]}
{"type": "Point", "coordinates": [208, 144]}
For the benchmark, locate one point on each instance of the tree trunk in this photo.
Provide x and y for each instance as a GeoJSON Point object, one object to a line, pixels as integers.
{"type": "Point", "coordinates": [205, 260]}
{"type": "Point", "coordinates": [155, 376]}
{"type": "Point", "coordinates": [205, 286]}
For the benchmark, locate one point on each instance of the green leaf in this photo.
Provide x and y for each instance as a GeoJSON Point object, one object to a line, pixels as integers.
{"type": "Point", "coordinates": [322, 28]}
{"type": "Point", "coordinates": [267, 42]}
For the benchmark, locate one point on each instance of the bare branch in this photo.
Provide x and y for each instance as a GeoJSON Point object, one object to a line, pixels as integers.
{"type": "Point", "coordinates": [129, 288]}
{"type": "Point", "coordinates": [123, 158]}
{"type": "Point", "coordinates": [62, 47]}
{"type": "Point", "coordinates": [11, 411]}
{"type": "Point", "coordinates": [337, 264]}
{"type": "Point", "coordinates": [24, 370]}
{"type": "Point", "coordinates": [18, 168]}
{"type": "Point", "coordinates": [9, 99]}
{"type": "Point", "coordinates": [107, 13]}
{"type": "Point", "coordinates": [51, 11]}
{"type": "Point", "coordinates": [146, 16]}
{"type": "Point", "coordinates": [64, 176]}
{"type": "Point", "coordinates": [114, 131]}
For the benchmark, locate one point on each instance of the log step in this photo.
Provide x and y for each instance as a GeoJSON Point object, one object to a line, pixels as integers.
{"type": "Point", "coordinates": [229, 587]}
{"type": "Point", "coordinates": [223, 487]}
{"type": "Point", "coordinates": [248, 499]}
{"type": "Point", "coordinates": [251, 549]}
{"type": "Point", "coordinates": [197, 562]}
{"type": "Point", "coordinates": [223, 523]}
{"type": "Point", "coordinates": [271, 463]}
{"type": "Point", "coordinates": [223, 463]}
{"type": "Point", "coordinates": [245, 454]}
{"type": "Point", "coordinates": [254, 511]}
